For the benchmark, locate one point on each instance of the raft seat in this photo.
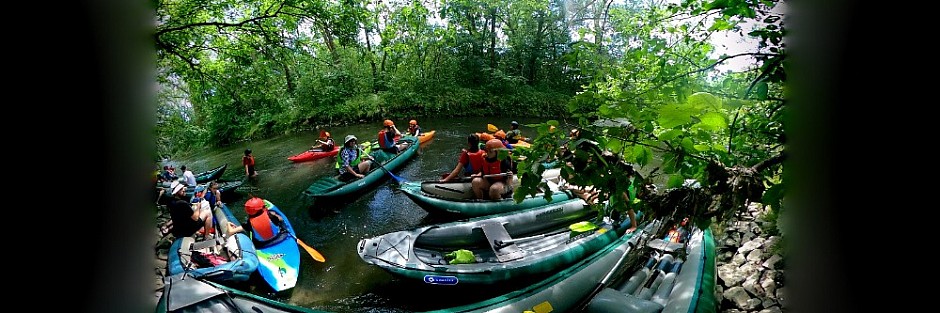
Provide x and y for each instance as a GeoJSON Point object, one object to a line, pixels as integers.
{"type": "Point", "coordinates": [495, 234]}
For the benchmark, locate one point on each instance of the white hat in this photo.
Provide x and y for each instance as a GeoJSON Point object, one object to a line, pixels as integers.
{"type": "Point", "coordinates": [178, 187]}
{"type": "Point", "coordinates": [348, 138]}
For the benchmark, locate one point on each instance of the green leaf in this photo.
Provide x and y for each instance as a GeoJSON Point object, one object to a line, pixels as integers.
{"type": "Point", "coordinates": [702, 148]}
{"type": "Point", "coordinates": [688, 145]}
{"type": "Point", "coordinates": [643, 155]}
{"type": "Point", "coordinates": [675, 181]}
{"type": "Point", "coordinates": [670, 135]}
{"type": "Point", "coordinates": [712, 121]}
{"type": "Point", "coordinates": [672, 115]}
{"type": "Point", "coordinates": [720, 24]}
{"type": "Point", "coordinates": [761, 90]}
{"type": "Point", "coordinates": [702, 100]}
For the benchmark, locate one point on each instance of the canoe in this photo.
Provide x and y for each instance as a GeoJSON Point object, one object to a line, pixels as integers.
{"type": "Point", "coordinates": [280, 259]}
{"type": "Point", "coordinates": [237, 253]}
{"type": "Point", "coordinates": [425, 136]}
{"type": "Point", "coordinates": [518, 245]}
{"type": "Point", "coordinates": [678, 277]}
{"type": "Point", "coordinates": [456, 197]}
{"type": "Point", "coordinates": [692, 290]}
{"type": "Point", "coordinates": [313, 154]}
{"type": "Point", "coordinates": [224, 187]}
{"type": "Point", "coordinates": [331, 190]}
{"type": "Point", "coordinates": [211, 175]}
{"type": "Point", "coordinates": [185, 294]}
{"type": "Point", "coordinates": [203, 177]}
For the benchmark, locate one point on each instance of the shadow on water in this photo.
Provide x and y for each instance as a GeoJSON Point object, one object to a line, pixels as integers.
{"type": "Point", "coordinates": [344, 283]}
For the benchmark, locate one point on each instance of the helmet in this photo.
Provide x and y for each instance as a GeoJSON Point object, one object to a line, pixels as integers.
{"type": "Point", "coordinates": [494, 144]}
{"type": "Point", "coordinates": [348, 138]}
{"type": "Point", "coordinates": [254, 205]}
{"type": "Point", "coordinates": [247, 151]}
{"type": "Point", "coordinates": [413, 122]}
{"type": "Point", "coordinates": [388, 123]}
{"type": "Point", "coordinates": [327, 134]}
{"type": "Point", "coordinates": [514, 123]}
{"type": "Point", "coordinates": [500, 134]}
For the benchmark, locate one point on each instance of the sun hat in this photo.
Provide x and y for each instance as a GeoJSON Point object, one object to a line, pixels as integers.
{"type": "Point", "coordinates": [179, 186]}
{"type": "Point", "coordinates": [348, 138]}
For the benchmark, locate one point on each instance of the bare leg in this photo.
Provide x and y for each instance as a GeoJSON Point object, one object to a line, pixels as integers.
{"type": "Point", "coordinates": [479, 184]}
{"type": "Point", "coordinates": [496, 190]}
{"type": "Point", "coordinates": [365, 166]}
{"type": "Point", "coordinates": [206, 216]}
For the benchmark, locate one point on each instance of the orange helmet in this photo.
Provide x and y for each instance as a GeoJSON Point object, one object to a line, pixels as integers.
{"type": "Point", "coordinates": [253, 206]}
{"type": "Point", "coordinates": [327, 134]}
{"type": "Point", "coordinates": [494, 144]}
{"type": "Point", "coordinates": [388, 123]}
{"type": "Point", "coordinates": [500, 134]}
{"type": "Point", "coordinates": [413, 122]}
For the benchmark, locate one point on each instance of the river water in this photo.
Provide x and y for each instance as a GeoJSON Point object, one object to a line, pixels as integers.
{"type": "Point", "coordinates": [344, 283]}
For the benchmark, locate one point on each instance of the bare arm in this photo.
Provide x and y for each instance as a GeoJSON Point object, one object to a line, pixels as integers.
{"type": "Point", "coordinates": [453, 174]}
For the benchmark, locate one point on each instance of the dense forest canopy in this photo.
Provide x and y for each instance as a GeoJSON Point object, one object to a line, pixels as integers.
{"type": "Point", "coordinates": [639, 78]}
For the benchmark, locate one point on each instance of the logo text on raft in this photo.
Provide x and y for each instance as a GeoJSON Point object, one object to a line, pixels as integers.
{"type": "Point", "coordinates": [276, 256]}
{"type": "Point", "coordinates": [440, 280]}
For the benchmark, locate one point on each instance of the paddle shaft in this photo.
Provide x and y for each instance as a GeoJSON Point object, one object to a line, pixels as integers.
{"type": "Point", "coordinates": [313, 252]}
{"type": "Point", "coordinates": [398, 179]}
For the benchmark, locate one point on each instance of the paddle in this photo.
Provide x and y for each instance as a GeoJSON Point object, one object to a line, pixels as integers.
{"type": "Point", "coordinates": [491, 128]}
{"type": "Point", "coordinates": [313, 252]}
{"type": "Point", "coordinates": [398, 179]}
{"type": "Point", "coordinates": [631, 243]}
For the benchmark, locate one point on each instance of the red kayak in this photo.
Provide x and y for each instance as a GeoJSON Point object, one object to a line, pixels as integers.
{"type": "Point", "coordinates": [314, 154]}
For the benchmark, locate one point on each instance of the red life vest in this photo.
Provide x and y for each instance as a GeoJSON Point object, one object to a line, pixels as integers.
{"type": "Point", "coordinates": [476, 160]}
{"type": "Point", "coordinates": [262, 226]}
{"type": "Point", "coordinates": [383, 140]}
{"type": "Point", "coordinates": [490, 168]}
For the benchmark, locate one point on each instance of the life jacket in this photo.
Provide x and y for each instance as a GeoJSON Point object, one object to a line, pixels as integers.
{"type": "Point", "coordinates": [262, 227]}
{"type": "Point", "coordinates": [414, 130]}
{"type": "Point", "coordinates": [353, 163]}
{"type": "Point", "coordinates": [490, 168]}
{"type": "Point", "coordinates": [476, 161]}
{"type": "Point", "coordinates": [384, 142]}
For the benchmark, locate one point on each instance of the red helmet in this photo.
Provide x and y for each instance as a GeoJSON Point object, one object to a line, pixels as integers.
{"type": "Point", "coordinates": [388, 123]}
{"type": "Point", "coordinates": [253, 206]}
{"type": "Point", "coordinates": [494, 144]}
{"type": "Point", "coordinates": [413, 122]}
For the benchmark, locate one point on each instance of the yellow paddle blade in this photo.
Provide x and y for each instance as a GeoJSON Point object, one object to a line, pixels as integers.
{"type": "Point", "coordinates": [313, 252]}
{"type": "Point", "coordinates": [491, 128]}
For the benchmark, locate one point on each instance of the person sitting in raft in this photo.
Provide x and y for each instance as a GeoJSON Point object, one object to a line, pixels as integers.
{"type": "Point", "coordinates": [497, 186]}
{"type": "Point", "coordinates": [326, 144]}
{"type": "Point", "coordinates": [387, 137]}
{"type": "Point", "coordinates": [471, 159]}
{"type": "Point", "coordinates": [186, 221]}
{"type": "Point", "coordinates": [413, 128]}
{"type": "Point", "coordinates": [501, 136]}
{"type": "Point", "coordinates": [350, 163]}
{"type": "Point", "coordinates": [514, 135]}
{"type": "Point", "coordinates": [264, 226]}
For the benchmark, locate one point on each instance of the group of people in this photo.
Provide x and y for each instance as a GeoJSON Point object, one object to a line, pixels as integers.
{"type": "Point", "coordinates": [354, 163]}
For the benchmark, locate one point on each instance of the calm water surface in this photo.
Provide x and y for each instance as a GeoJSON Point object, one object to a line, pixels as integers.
{"type": "Point", "coordinates": [344, 283]}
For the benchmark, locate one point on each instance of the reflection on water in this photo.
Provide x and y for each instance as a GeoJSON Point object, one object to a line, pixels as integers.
{"type": "Point", "coordinates": [344, 283]}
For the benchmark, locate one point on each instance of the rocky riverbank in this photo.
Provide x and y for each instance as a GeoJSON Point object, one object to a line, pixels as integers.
{"type": "Point", "coordinates": [750, 268]}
